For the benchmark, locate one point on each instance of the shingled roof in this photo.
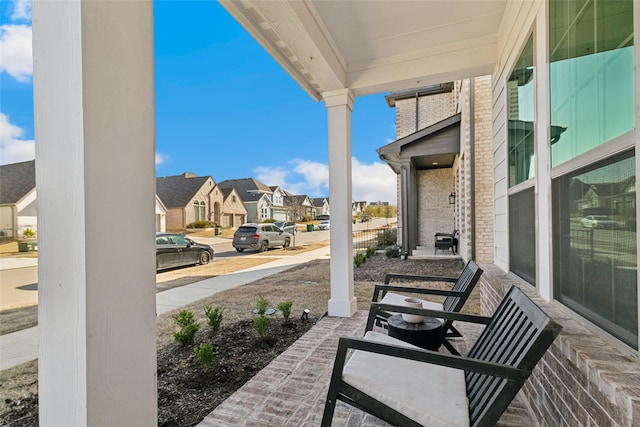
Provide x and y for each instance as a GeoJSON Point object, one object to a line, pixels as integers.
{"type": "Point", "coordinates": [177, 191]}
{"type": "Point", "coordinates": [16, 181]}
{"type": "Point", "coordinates": [249, 189]}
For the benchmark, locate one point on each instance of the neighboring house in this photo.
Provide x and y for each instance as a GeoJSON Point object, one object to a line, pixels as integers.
{"type": "Point", "coordinates": [279, 209]}
{"type": "Point", "coordinates": [161, 216]}
{"type": "Point", "coordinates": [321, 205]}
{"type": "Point", "coordinates": [358, 208]}
{"type": "Point", "coordinates": [300, 206]}
{"type": "Point", "coordinates": [234, 213]}
{"type": "Point", "coordinates": [189, 198]}
{"type": "Point", "coordinates": [18, 198]}
{"type": "Point", "coordinates": [434, 162]}
{"type": "Point", "coordinates": [257, 198]}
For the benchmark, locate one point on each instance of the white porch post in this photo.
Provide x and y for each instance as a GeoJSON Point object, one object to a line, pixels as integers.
{"type": "Point", "coordinates": [94, 128]}
{"type": "Point", "coordinates": [339, 105]}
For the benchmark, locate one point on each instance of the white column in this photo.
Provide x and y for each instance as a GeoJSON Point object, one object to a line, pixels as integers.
{"type": "Point", "coordinates": [544, 276]}
{"type": "Point", "coordinates": [95, 176]}
{"type": "Point", "coordinates": [339, 105]}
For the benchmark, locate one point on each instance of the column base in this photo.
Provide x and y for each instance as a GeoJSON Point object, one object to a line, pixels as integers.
{"type": "Point", "coordinates": [342, 308]}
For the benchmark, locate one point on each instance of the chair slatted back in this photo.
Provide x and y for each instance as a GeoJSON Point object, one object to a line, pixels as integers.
{"type": "Point", "coordinates": [518, 335]}
{"type": "Point", "coordinates": [465, 283]}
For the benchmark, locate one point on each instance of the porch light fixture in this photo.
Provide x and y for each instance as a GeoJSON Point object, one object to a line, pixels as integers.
{"type": "Point", "coordinates": [452, 198]}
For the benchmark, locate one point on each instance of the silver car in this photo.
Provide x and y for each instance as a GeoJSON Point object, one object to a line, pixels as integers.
{"type": "Point", "coordinates": [288, 226]}
{"type": "Point", "coordinates": [260, 237]}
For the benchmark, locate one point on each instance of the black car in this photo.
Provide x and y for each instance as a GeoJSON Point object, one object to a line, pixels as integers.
{"type": "Point", "coordinates": [174, 250]}
{"type": "Point", "coordinates": [322, 217]}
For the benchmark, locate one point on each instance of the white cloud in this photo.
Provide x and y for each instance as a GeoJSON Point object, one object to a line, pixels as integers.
{"type": "Point", "coordinates": [13, 148]}
{"type": "Point", "coordinates": [21, 10]}
{"type": "Point", "coordinates": [371, 182]}
{"type": "Point", "coordinates": [15, 51]}
{"type": "Point", "coordinates": [161, 158]}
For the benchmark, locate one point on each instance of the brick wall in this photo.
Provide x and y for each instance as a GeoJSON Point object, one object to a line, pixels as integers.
{"type": "Point", "coordinates": [431, 109]}
{"type": "Point", "coordinates": [435, 214]}
{"type": "Point", "coordinates": [582, 380]}
{"type": "Point", "coordinates": [483, 170]}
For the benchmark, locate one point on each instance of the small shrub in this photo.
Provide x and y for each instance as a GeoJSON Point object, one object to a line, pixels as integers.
{"type": "Point", "coordinates": [214, 316]}
{"type": "Point", "coordinates": [306, 218]}
{"type": "Point", "coordinates": [205, 354]}
{"type": "Point", "coordinates": [371, 251]}
{"type": "Point", "coordinates": [285, 308]}
{"type": "Point", "coordinates": [188, 327]}
{"type": "Point", "coordinates": [387, 237]}
{"type": "Point", "coordinates": [392, 251]}
{"type": "Point", "coordinates": [359, 258]}
{"type": "Point", "coordinates": [186, 335]}
{"type": "Point", "coordinates": [262, 305]}
{"type": "Point", "coordinates": [28, 232]}
{"type": "Point", "coordinates": [260, 324]}
{"type": "Point", "coordinates": [268, 221]}
{"type": "Point", "coordinates": [202, 224]}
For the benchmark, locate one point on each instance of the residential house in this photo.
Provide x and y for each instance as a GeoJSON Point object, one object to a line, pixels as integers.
{"type": "Point", "coordinates": [161, 216]}
{"type": "Point", "coordinates": [321, 205]}
{"type": "Point", "coordinates": [18, 198]}
{"type": "Point", "coordinates": [234, 213]}
{"type": "Point", "coordinates": [189, 198]}
{"type": "Point", "coordinates": [565, 82]}
{"type": "Point", "coordinates": [260, 201]}
{"type": "Point", "coordinates": [358, 208]}
{"type": "Point", "coordinates": [442, 155]}
{"type": "Point", "coordinates": [300, 206]}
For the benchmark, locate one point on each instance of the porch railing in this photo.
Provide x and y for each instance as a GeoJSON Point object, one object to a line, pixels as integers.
{"type": "Point", "coordinates": [378, 238]}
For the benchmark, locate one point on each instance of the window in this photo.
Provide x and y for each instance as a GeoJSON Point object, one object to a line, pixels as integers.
{"type": "Point", "coordinates": [594, 244]}
{"type": "Point", "coordinates": [521, 143]}
{"type": "Point", "coordinates": [196, 211]}
{"type": "Point", "coordinates": [591, 74]}
{"type": "Point", "coordinates": [203, 213]}
{"type": "Point", "coordinates": [521, 105]}
{"type": "Point", "coordinates": [264, 213]}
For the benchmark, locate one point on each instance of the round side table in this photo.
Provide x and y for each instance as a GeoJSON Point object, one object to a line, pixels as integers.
{"type": "Point", "coordinates": [427, 334]}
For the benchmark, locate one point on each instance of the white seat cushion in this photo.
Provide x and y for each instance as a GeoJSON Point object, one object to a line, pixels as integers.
{"type": "Point", "coordinates": [431, 395]}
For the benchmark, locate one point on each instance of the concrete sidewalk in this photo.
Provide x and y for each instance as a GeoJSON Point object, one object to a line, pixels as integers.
{"type": "Point", "coordinates": [22, 346]}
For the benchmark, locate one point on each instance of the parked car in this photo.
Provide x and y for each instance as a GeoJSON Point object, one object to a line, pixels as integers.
{"type": "Point", "coordinates": [324, 225]}
{"type": "Point", "coordinates": [175, 250]}
{"type": "Point", "coordinates": [288, 226]}
{"type": "Point", "coordinates": [598, 221]}
{"type": "Point", "coordinates": [322, 217]}
{"type": "Point", "coordinates": [260, 237]}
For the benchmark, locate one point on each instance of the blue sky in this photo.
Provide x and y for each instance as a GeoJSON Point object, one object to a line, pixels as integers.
{"type": "Point", "coordinates": [224, 107]}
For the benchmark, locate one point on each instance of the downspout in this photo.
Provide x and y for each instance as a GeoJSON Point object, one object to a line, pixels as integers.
{"type": "Point", "coordinates": [417, 112]}
{"type": "Point", "coordinates": [472, 166]}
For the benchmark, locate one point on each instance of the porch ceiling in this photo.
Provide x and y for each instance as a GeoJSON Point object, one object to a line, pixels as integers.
{"type": "Point", "coordinates": [374, 46]}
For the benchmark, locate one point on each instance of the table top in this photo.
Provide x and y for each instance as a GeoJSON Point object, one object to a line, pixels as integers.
{"type": "Point", "coordinates": [428, 324]}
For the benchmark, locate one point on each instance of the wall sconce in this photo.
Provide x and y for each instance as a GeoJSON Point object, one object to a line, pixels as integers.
{"type": "Point", "coordinates": [452, 198]}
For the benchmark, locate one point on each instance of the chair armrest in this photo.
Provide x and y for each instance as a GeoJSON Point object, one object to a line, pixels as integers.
{"type": "Point", "coordinates": [389, 276]}
{"type": "Point", "coordinates": [435, 358]}
{"type": "Point", "coordinates": [379, 290]}
{"type": "Point", "coordinates": [377, 310]}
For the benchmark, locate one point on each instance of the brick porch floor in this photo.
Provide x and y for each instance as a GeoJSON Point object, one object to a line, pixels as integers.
{"type": "Point", "coordinates": [291, 390]}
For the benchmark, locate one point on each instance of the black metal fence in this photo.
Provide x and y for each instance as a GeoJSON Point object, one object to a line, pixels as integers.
{"type": "Point", "coordinates": [378, 238]}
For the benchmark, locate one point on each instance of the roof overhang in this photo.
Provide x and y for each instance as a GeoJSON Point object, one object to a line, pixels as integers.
{"type": "Point", "coordinates": [433, 147]}
{"type": "Point", "coordinates": [374, 46]}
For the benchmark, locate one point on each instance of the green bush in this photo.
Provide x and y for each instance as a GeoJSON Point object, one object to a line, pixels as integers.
{"type": "Point", "coordinates": [260, 324]}
{"type": "Point", "coordinates": [268, 221]}
{"type": "Point", "coordinates": [188, 327]}
{"type": "Point", "coordinates": [359, 258]}
{"type": "Point", "coordinates": [214, 316]}
{"type": "Point", "coordinates": [202, 224]}
{"type": "Point", "coordinates": [186, 335]}
{"type": "Point", "coordinates": [387, 237]}
{"type": "Point", "coordinates": [28, 233]}
{"type": "Point", "coordinates": [262, 305]}
{"type": "Point", "coordinates": [205, 353]}
{"type": "Point", "coordinates": [306, 218]}
{"type": "Point", "coordinates": [371, 251]}
{"type": "Point", "coordinates": [285, 308]}
{"type": "Point", "coordinates": [392, 251]}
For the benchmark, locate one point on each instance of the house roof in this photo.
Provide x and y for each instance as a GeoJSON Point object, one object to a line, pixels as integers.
{"type": "Point", "coordinates": [16, 181]}
{"type": "Point", "coordinates": [177, 191]}
{"type": "Point", "coordinates": [249, 189]}
{"type": "Point", "coordinates": [432, 147]}
{"type": "Point", "coordinates": [319, 201]}
{"type": "Point", "coordinates": [295, 200]}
